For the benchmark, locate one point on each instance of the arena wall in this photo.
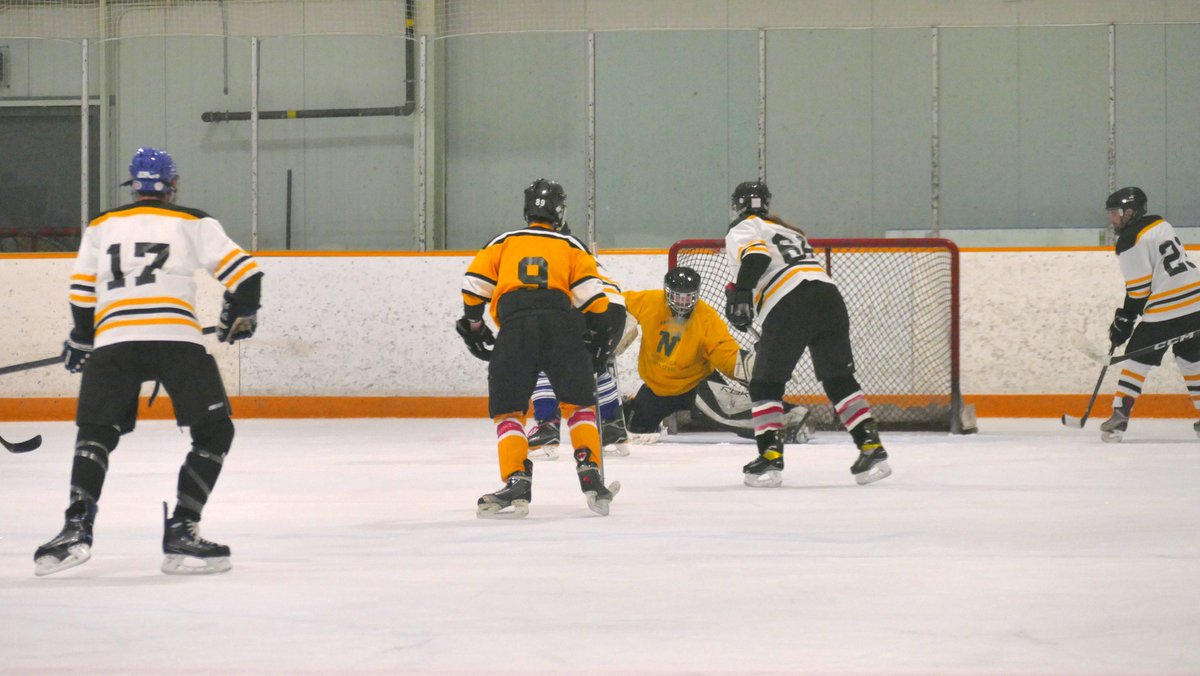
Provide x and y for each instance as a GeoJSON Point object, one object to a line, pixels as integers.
{"type": "Point", "coordinates": [371, 335]}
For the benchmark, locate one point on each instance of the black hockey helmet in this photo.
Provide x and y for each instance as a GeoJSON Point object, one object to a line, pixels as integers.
{"type": "Point", "coordinates": [750, 197]}
{"type": "Point", "coordinates": [546, 202]}
{"type": "Point", "coordinates": [1131, 200]}
{"type": "Point", "coordinates": [683, 290]}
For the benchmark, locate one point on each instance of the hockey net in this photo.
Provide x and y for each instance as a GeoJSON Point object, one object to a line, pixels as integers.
{"type": "Point", "coordinates": [902, 296]}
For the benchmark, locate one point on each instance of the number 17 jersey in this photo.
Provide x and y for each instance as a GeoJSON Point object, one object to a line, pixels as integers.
{"type": "Point", "coordinates": [792, 259]}
{"type": "Point", "coordinates": [136, 270]}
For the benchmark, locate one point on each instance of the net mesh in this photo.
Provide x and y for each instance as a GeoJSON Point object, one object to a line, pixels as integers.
{"type": "Point", "coordinates": [900, 295]}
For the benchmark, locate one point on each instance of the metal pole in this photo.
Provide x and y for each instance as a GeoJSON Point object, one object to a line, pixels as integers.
{"type": "Point", "coordinates": [935, 143]}
{"type": "Point", "coordinates": [590, 178]}
{"type": "Point", "coordinates": [84, 146]}
{"type": "Point", "coordinates": [254, 144]}
{"type": "Point", "coordinates": [762, 105]}
{"type": "Point", "coordinates": [1112, 107]}
{"type": "Point", "coordinates": [421, 150]}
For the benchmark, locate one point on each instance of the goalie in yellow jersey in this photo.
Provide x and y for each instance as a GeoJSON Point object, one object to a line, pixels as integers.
{"type": "Point", "coordinates": [684, 341]}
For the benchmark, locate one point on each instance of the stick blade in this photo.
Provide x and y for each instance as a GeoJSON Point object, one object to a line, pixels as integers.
{"type": "Point", "coordinates": [23, 446]}
{"type": "Point", "coordinates": [1072, 422]}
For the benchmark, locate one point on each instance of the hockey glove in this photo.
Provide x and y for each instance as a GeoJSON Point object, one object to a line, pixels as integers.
{"type": "Point", "coordinates": [744, 367]}
{"type": "Point", "coordinates": [739, 306]}
{"type": "Point", "coordinates": [1121, 327]}
{"type": "Point", "coordinates": [76, 351]}
{"type": "Point", "coordinates": [477, 336]}
{"type": "Point", "coordinates": [238, 320]}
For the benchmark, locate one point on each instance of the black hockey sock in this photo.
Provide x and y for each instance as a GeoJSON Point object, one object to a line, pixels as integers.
{"type": "Point", "coordinates": [93, 444]}
{"type": "Point", "coordinates": [199, 473]}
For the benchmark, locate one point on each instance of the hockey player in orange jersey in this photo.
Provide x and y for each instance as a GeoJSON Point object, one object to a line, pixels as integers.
{"type": "Point", "coordinates": [544, 293]}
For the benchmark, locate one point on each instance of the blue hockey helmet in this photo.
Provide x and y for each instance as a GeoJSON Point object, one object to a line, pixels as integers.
{"type": "Point", "coordinates": [152, 172]}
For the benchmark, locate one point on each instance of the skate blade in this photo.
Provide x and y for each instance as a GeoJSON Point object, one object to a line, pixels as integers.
{"type": "Point", "coordinates": [180, 564]}
{"type": "Point", "coordinates": [518, 510]}
{"type": "Point", "coordinates": [48, 565]}
{"type": "Point", "coordinates": [621, 450]}
{"type": "Point", "coordinates": [547, 452]}
{"type": "Point", "coordinates": [876, 473]}
{"type": "Point", "coordinates": [600, 505]}
{"type": "Point", "coordinates": [1113, 437]}
{"type": "Point", "coordinates": [769, 479]}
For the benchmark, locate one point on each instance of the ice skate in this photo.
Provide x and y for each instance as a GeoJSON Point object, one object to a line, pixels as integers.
{"type": "Point", "coordinates": [871, 465]}
{"type": "Point", "coordinates": [510, 502]}
{"type": "Point", "coordinates": [764, 471]}
{"type": "Point", "coordinates": [1113, 429]}
{"type": "Point", "coordinates": [591, 483]}
{"type": "Point", "coordinates": [186, 553]}
{"type": "Point", "coordinates": [72, 546]}
{"type": "Point", "coordinates": [544, 439]}
{"type": "Point", "coordinates": [614, 437]}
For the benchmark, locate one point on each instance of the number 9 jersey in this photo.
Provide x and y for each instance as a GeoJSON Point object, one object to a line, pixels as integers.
{"type": "Point", "coordinates": [136, 271]}
{"type": "Point", "coordinates": [792, 259]}
{"type": "Point", "coordinates": [1157, 271]}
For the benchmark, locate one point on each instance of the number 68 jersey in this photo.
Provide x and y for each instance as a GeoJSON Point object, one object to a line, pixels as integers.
{"type": "Point", "coordinates": [792, 259]}
{"type": "Point", "coordinates": [1157, 270]}
{"type": "Point", "coordinates": [136, 270]}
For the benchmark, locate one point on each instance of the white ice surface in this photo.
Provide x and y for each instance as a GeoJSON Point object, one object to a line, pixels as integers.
{"type": "Point", "coordinates": [1026, 549]}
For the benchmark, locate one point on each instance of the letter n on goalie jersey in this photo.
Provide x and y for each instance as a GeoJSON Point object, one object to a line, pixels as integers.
{"type": "Point", "coordinates": [667, 342]}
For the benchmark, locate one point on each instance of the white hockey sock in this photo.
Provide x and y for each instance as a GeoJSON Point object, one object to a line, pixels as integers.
{"type": "Point", "coordinates": [767, 415]}
{"type": "Point", "coordinates": [1190, 370]}
{"type": "Point", "coordinates": [1129, 384]}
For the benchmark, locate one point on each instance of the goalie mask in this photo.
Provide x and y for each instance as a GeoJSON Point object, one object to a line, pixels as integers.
{"type": "Point", "coordinates": [750, 197]}
{"type": "Point", "coordinates": [152, 172]}
{"type": "Point", "coordinates": [546, 202]}
{"type": "Point", "coordinates": [1125, 205]}
{"type": "Point", "coordinates": [682, 290]}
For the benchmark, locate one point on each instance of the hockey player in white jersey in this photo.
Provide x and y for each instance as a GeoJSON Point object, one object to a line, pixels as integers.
{"type": "Point", "coordinates": [779, 279]}
{"type": "Point", "coordinates": [133, 302]}
{"type": "Point", "coordinates": [1162, 287]}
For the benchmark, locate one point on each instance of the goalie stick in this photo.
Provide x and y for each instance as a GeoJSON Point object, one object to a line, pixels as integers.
{"type": "Point", "coordinates": [1077, 423]}
{"type": "Point", "coordinates": [57, 359]}
{"type": "Point", "coordinates": [22, 446]}
{"type": "Point", "coordinates": [1090, 350]}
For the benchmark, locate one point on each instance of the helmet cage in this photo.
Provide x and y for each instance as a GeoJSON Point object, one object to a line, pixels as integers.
{"type": "Point", "coordinates": [682, 288]}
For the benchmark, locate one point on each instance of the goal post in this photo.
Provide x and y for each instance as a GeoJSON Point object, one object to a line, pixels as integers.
{"type": "Point", "coordinates": [903, 300]}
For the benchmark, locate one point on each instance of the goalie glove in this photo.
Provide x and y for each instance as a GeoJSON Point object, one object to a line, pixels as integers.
{"type": "Point", "coordinates": [477, 336]}
{"type": "Point", "coordinates": [631, 334]}
{"type": "Point", "coordinates": [744, 367]}
{"type": "Point", "coordinates": [739, 306]}
{"type": "Point", "coordinates": [239, 320]}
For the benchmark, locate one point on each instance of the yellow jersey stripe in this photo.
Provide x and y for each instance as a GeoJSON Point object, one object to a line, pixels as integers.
{"type": "Point", "coordinates": [147, 322]}
{"type": "Point", "coordinates": [156, 300]}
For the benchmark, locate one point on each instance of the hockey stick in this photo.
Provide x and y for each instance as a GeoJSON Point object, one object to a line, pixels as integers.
{"type": "Point", "coordinates": [58, 359]}
{"type": "Point", "coordinates": [1077, 423]}
{"type": "Point", "coordinates": [22, 446]}
{"type": "Point", "coordinates": [1099, 357]}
